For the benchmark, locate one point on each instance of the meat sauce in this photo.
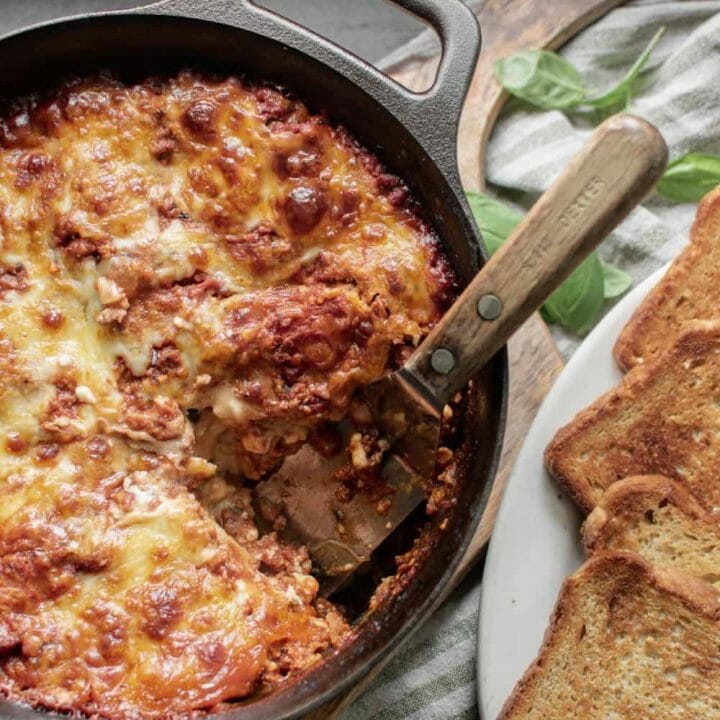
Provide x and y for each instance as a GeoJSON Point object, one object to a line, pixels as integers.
{"type": "Point", "coordinates": [196, 275]}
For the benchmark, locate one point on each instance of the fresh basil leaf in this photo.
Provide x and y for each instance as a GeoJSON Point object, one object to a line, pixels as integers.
{"type": "Point", "coordinates": [615, 281]}
{"type": "Point", "coordinates": [690, 177]}
{"type": "Point", "coordinates": [576, 304]}
{"type": "Point", "coordinates": [495, 219]}
{"type": "Point", "coordinates": [542, 78]}
{"type": "Point", "coordinates": [548, 81]}
{"type": "Point", "coordinates": [621, 93]}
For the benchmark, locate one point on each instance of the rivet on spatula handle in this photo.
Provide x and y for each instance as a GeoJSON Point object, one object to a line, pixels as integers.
{"type": "Point", "coordinates": [489, 307]}
{"type": "Point", "coordinates": [442, 361]}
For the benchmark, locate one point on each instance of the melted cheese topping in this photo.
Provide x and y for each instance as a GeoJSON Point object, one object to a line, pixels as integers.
{"type": "Point", "coordinates": [119, 594]}
{"type": "Point", "coordinates": [179, 248]}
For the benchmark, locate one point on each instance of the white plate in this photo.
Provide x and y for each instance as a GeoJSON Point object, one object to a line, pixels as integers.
{"type": "Point", "coordinates": [536, 542]}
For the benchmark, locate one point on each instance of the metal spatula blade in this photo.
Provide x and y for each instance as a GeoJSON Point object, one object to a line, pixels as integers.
{"type": "Point", "coordinates": [340, 535]}
{"type": "Point", "coordinates": [617, 167]}
{"type": "Point", "coordinates": [409, 417]}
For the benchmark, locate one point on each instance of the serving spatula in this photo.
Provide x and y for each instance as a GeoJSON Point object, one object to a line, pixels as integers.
{"type": "Point", "coordinates": [619, 164]}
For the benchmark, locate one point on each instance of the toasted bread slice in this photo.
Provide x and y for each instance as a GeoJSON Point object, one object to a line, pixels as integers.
{"type": "Point", "coordinates": [660, 520]}
{"type": "Point", "coordinates": [627, 642]}
{"type": "Point", "coordinates": [663, 418]}
{"type": "Point", "coordinates": [690, 290]}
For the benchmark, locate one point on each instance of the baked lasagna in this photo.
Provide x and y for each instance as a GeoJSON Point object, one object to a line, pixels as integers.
{"type": "Point", "coordinates": [196, 275]}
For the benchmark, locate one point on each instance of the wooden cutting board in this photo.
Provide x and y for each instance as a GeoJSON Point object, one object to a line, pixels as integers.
{"type": "Point", "coordinates": [535, 362]}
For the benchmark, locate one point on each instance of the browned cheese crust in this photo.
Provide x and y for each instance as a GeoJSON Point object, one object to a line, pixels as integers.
{"type": "Point", "coordinates": [661, 419]}
{"type": "Point", "coordinates": [625, 641]}
{"type": "Point", "coordinates": [195, 276]}
{"type": "Point", "coordinates": [690, 290]}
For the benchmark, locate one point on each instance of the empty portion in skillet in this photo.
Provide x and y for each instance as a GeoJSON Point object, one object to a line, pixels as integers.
{"type": "Point", "coordinates": [195, 276]}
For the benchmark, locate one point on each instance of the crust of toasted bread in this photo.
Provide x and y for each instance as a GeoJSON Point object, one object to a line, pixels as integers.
{"type": "Point", "coordinates": [625, 640]}
{"type": "Point", "coordinates": [663, 418]}
{"type": "Point", "coordinates": [657, 518]}
{"type": "Point", "coordinates": [690, 290]}
{"type": "Point", "coordinates": [630, 500]}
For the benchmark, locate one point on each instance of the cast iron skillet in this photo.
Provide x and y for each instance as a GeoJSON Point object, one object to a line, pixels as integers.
{"type": "Point", "coordinates": [415, 136]}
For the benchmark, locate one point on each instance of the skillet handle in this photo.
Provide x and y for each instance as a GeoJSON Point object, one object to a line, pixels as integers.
{"type": "Point", "coordinates": [432, 116]}
{"type": "Point", "coordinates": [614, 171]}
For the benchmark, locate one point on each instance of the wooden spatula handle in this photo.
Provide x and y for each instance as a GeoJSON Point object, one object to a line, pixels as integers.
{"type": "Point", "coordinates": [617, 167]}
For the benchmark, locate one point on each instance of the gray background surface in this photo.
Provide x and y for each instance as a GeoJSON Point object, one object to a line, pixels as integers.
{"type": "Point", "coordinates": [370, 28]}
